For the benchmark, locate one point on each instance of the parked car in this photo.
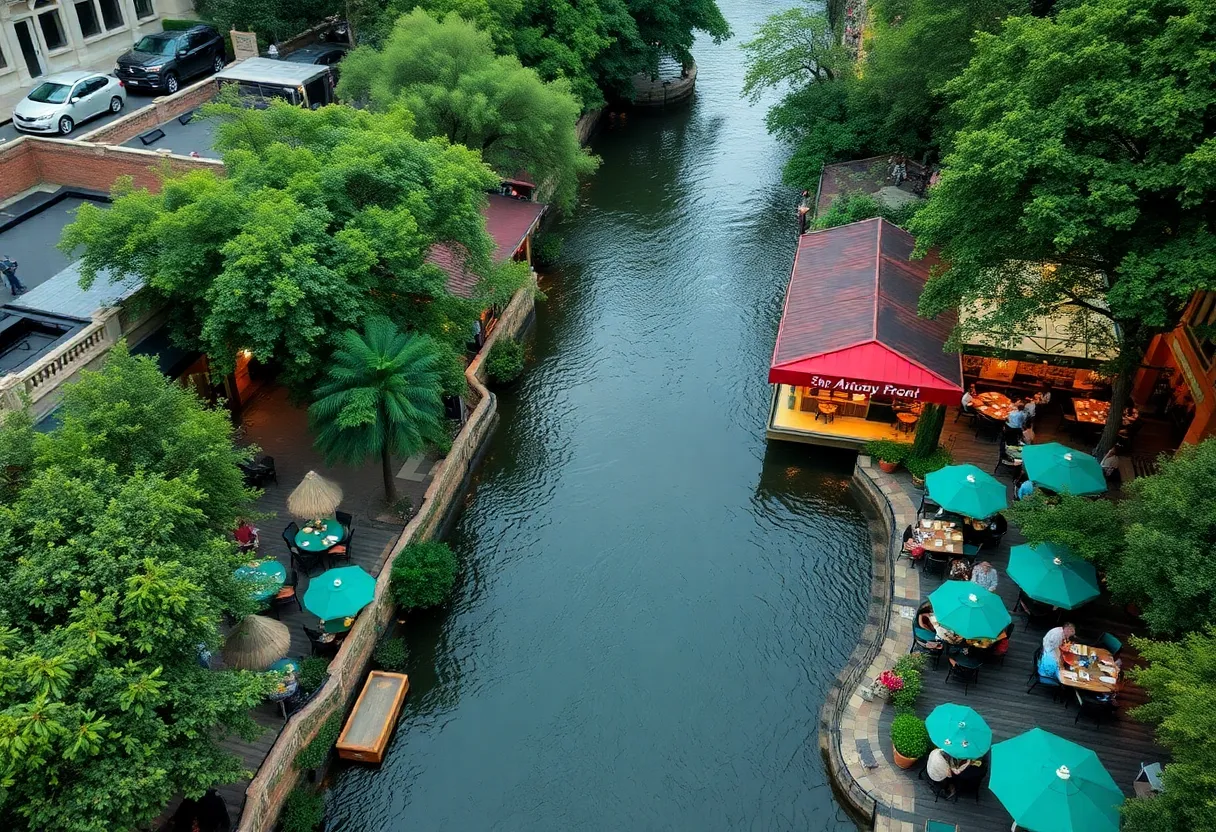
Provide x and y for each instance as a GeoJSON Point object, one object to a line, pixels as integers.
{"type": "Point", "coordinates": [164, 60]}
{"type": "Point", "coordinates": [66, 99]}
{"type": "Point", "coordinates": [321, 54]}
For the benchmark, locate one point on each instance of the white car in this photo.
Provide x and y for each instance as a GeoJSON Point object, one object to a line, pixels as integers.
{"type": "Point", "coordinates": [66, 99]}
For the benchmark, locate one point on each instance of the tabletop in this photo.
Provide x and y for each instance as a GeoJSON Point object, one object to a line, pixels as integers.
{"type": "Point", "coordinates": [1103, 668]}
{"type": "Point", "coordinates": [954, 638]}
{"type": "Point", "coordinates": [320, 538]}
{"type": "Point", "coordinates": [267, 575]}
{"type": "Point", "coordinates": [1095, 412]}
{"type": "Point", "coordinates": [993, 405]}
{"type": "Point", "coordinates": [937, 536]}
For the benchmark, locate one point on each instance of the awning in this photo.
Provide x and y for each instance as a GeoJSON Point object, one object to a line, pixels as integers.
{"type": "Point", "coordinates": [850, 319]}
{"type": "Point", "coordinates": [508, 221]}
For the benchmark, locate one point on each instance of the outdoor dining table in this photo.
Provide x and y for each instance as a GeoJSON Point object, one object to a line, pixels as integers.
{"type": "Point", "coordinates": [939, 536]}
{"type": "Point", "coordinates": [1092, 678]}
{"type": "Point", "coordinates": [993, 405]}
{"type": "Point", "coordinates": [1094, 412]}
{"type": "Point", "coordinates": [268, 576]}
{"type": "Point", "coordinates": [320, 538]}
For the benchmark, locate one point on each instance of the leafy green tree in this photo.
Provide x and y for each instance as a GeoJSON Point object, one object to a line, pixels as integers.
{"type": "Point", "coordinates": [855, 207]}
{"type": "Point", "coordinates": [117, 568]}
{"type": "Point", "coordinates": [1158, 545]}
{"type": "Point", "coordinates": [423, 575]}
{"type": "Point", "coordinates": [324, 219]}
{"type": "Point", "coordinates": [1181, 684]}
{"type": "Point", "coordinates": [791, 49]}
{"type": "Point", "coordinates": [447, 75]}
{"type": "Point", "coordinates": [1084, 143]}
{"type": "Point", "coordinates": [670, 26]}
{"type": "Point", "coordinates": [273, 20]}
{"type": "Point", "coordinates": [381, 396]}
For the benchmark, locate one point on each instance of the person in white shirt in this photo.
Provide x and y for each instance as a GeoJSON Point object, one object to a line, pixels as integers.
{"type": "Point", "coordinates": [1110, 462]}
{"type": "Point", "coordinates": [1056, 637]}
{"type": "Point", "coordinates": [969, 397]}
{"type": "Point", "coordinates": [940, 767]}
{"type": "Point", "coordinates": [985, 575]}
{"type": "Point", "coordinates": [1029, 408]}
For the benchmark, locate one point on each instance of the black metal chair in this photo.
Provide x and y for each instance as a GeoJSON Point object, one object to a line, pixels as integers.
{"type": "Point", "coordinates": [306, 562]}
{"type": "Point", "coordinates": [988, 428]}
{"type": "Point", "coordinates": [926, 641]}
{"type": "Point", "coordinates": [1034, 680]}
{"type": "Point", "coordinates": [319, 647]}
{"type": "Point", "coordinates": [971, 779]}
{"type": "Point", "coordinates": [965, 412]}
{"type": "Point", "coordinates": [258, 473]}
{"type": "Point", "coordinates": [936, 562]}
{"type": "Point", "coordinates": [1096, 706]}
{"type": "Point", "coordinates": [940, 789]}
{"type": "Point", "coordinates": [927, 506]}
{"type": "Point", "coordinates": [287, 596]}
{"type": "Point", "coordinates": [341, 551]}
{"type": "Point", "coordinates": [1004, 460]}
{"type": "Point", "coordinates": [964, 668]}
{"type": "Point", "coordinates": [1034, 611]}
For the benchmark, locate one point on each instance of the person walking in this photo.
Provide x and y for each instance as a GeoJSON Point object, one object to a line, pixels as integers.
{"type": "Point", "coordinates": [9, 269]}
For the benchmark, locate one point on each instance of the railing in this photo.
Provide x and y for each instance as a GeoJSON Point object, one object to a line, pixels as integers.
{"type": "Point", "coordinates": [38, 381]}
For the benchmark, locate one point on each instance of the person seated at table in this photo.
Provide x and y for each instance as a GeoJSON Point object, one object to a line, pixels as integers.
{"type": "Point", "coordinates": [1024, 488]}
{"type": "Point", "coordinates": [246, 536]}
{"type": "Point", "coordinates": [985, 575]}
{"type": "Point", "coordinates": [1018, 416]}
{"type": "Point", "coordinates": [1110, 463]}
{"type": "Point", "coordinates": [941, 767]}
{"type": "Point", "coordinates": [1056, 638]}
{"type": "Point", "coordinates": [1044, 395]}
{"type": "Point", "coordinates": [1029, 408]}
{"type": "Point", "coordinates": [923, 616]}
{"type": "Point", "coordinates": [959, 570]}
{"type": "Point", "coordinates": [968, 398]}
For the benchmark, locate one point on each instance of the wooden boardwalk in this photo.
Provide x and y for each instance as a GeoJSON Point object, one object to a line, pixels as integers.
{"type": "Point", "coordinates": [1001, 697]}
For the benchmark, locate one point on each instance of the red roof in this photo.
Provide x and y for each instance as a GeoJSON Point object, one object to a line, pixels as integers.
{"type": "Point", "coordinates": [850, 318]}
{"type": "Point", "coordinates": [508, 222]}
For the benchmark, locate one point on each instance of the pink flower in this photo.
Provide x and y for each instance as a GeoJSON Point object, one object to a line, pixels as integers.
{"type": "Point", "coordinates": [890, 681]}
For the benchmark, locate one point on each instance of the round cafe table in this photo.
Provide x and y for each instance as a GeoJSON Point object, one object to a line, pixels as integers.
{"type": "Point", "coordinates": [320, 538]}
{"type": "Point", "coordinates": [268, 576]}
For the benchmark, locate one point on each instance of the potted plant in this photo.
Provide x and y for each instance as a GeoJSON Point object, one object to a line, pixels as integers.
{"type": "Point", "coordinates": [920, 466]}
{"type": "Point", "coordinates": [909, 739]}
{"type": "Point", "coordinates": [888, 452]}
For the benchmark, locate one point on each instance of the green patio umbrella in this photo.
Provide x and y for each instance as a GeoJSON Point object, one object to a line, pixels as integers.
{"type": "Point", "coordinates": [1050, 784]}
{"type": "Point", "coordinates": [1063, 469]}
{"type": "Point", "coordinates": [966, 490]}
{"type": "Point", "coordinates": [339, 593]}
{"type": "Point", "coordinates": [959, 731]}
{"type": "Point", "coordinates": [1051, 573]}
{"type": "Point", "coordinates": [969, 610]}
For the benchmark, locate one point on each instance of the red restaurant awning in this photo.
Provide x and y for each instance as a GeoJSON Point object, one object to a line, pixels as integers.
{"type": "Point", "coordinates": [850, 319]}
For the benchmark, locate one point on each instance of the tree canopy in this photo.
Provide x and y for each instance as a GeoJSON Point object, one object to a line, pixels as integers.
{"type": "Point", "coordinates": [118, 569]}
{"type": "Point", "coordinates": [447, 75]}
{"type": "Point", "coordinates": [1157, 546]}
{"type": "Point", "coordinates": [1083, 145]}
{"type": "Point", "coordinates": [324, 219]}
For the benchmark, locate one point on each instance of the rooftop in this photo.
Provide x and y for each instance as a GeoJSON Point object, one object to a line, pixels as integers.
{"type": "Point", "coordinates": [509, 221]}
{"type": "Point", "coordinates": [185, 135]}
{"type": "Point", "coordinates": [868, 176]}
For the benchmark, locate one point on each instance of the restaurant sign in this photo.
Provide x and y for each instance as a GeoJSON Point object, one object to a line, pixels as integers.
{"type": "Point", "coordinates": [848, 385]}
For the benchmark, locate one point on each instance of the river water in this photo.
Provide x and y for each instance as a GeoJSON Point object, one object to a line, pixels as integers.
{"type": "Point", "coordinates": [654, 600]}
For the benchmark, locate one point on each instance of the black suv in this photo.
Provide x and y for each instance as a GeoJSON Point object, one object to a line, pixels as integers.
{"type": "Point", "coordinates": [162, 61]}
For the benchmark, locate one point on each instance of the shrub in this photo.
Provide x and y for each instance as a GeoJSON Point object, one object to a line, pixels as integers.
{"type": "Point", "coordinates": [547, 249]}
{"type": "Point", "coordinates": [303, 811]}
{"type": "Point", "coordinates": [313, 755]}
{"type": "Point", "coordinates": [312, 673]}
{"type": "Point", "coordinates": [905, 698]}
{"type": "Point", "coordinates": [909, 735]}
{"type": "Point", "coordinates": [921, 466]}
{"type": "Point", "coordinates": [505, 362]}
{"type": "Point", "coordinates": [423, 575]}
{"type": "Point", "coordinates": [888, 450]}
{"type": "Point", "coordinates": [928, 430]}
{"type": "Point", "coordinates": [391, 654]}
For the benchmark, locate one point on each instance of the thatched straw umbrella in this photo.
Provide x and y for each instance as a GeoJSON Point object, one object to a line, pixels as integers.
{"type": "Point", "coordinates": [314, 498]}
{"type": "Point", "coordinates": [256, 643]}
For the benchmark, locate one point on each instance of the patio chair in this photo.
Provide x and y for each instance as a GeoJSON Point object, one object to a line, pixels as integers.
{"type": "Point", "coordinates": [1003, 460]}
{"type": "Point", "coordinates": [965, 412]}
{"type": "Point", "coordinates": [1034, 680]}
{"type": "Point", "coordinates": [319, 647]}
{"type": "Point", "coordinates": [1034, 611]}
{"type": "Point", "coordinates": [1109, 642]}
{"type": "Point", "coordinates": [258, 473]}
{"type": "Point", "coordinates": [926, 641]}
{"type": "Point", "coordinates": [988, 428]}
{"type": "Point", "coordinates": [341, 551]}
{"type": "Point", "coordinates": [936, 562]}
{"type": "Point", "coordinates": [287, 595]}
{"type": "Point", "coordinates": [971, 780]}
{"type": "Point", "coordinates": [1094, 705]}
{"type": "Point", "coordinates": [940, 826]}
{"type": "Point", "coordinates": [964, 668]}
{"type": "Point", "coordinates": [940, 790]}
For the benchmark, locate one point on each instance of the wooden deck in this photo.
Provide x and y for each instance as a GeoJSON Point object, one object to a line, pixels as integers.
{"type": "Point", "coordinates": [1000, 697]}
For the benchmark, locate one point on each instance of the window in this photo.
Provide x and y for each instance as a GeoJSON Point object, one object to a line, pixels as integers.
{"type": "Point", "coordinates": [1201, 326]}
{"type": "Point", "coordinates": [143, 8]}
{"type": "Point", "coordinates": [52, 30]}
{"type": "Point", "coordinates": [86, 13]}
{"type": "Point", "coordinates": [111, 14]}
{"type": "Point", "coordinates": [3, 63]}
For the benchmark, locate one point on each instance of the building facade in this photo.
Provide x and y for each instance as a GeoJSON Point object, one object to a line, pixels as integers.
{"type": "Point", "coordinates": [1178, 380]}
{"type": "Point", "coordinates": [40, 37]}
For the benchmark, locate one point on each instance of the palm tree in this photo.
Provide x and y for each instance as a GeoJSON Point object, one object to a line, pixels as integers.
{"type": "Point", "coordinates": [382, 396]}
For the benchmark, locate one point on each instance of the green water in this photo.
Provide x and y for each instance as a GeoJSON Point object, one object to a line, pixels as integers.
{"type": "Point", "coordinates": [654, 599]}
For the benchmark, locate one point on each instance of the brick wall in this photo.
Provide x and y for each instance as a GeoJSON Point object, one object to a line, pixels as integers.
{"type": "Point", "coordinates": [158, 112]}
{"type": "Point", "coordinates": [27, 161]}
{"type": "Point", "coordinates": [277, 774]}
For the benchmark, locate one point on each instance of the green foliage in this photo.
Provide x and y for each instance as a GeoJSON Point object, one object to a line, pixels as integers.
{"type": "Point", "coordinates": [928, 430]}
{"type": "Point", "coordinates": [1084, 140]}
{"type": "Point", "coordinates": [17, 437]}
{"type": "Point", "coordinates": [855, 207]}
{"type": "Point", "coordinates": [324, 219]}
{"type": "Point", "coordinates": [909, 668]}
{"type": "Point", "coordinates": [303, 811]}
{"type": "Point", "coordinates": [791, 49]}
{"type": "Point", "coordinates": [505, 363]}
{"type": "Point", "coordinates": [909, 735]}
{"type": "Point", "coordinates": [315, 753]}
{"type": "Point", "coordinates": [1180, 681]}
{"type": "Point", "coordinates": [172, 25]}
{"type": "Point", "coordinates": [391, 654]}
{"type": "Point", "coordinates": [447, 74]}
{"type": "Point", "coordinates": [313, 671]}
{"type": "Point", "coordinates": [1156, 545]}
{"type": "Point", "coordinates": [118, 562]}
{"type": "Point", "coordinates": [423, 575]}
{"type": "Point", "coordinates": [888, 450]}
{"type": "Point", "coordinates": [273, 20]}
{"type": "Point", "coordinates": [381, 396]}
{"type": "Point", "coordinates": [921, 466]}
{"type": "Point", "coordinates": [546, 249]}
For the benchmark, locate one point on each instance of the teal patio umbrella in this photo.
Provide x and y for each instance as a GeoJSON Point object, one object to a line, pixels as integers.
{"type": "Point", "coordinates": [966, 490]}
{"type": "Point", "coordinates": [969, 610]}
{"type": "Point", "coordinates": [1049, 784]}
{"type": "Point", "coordinates": [1060, 468]}
{"type": "Point", "coordinates": [339, 593]}
{"type": "Point", "coordinates": [959, 731]}
{"type": "Point", "coordinates": [1051, 573]}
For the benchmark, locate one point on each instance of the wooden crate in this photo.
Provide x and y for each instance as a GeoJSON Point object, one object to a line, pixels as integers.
{"type": "Point", "coordinates": [370, 724]}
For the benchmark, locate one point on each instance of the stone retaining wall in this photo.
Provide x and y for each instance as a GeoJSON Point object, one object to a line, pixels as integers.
{"type": "Point", "coordinates": [277, 774]}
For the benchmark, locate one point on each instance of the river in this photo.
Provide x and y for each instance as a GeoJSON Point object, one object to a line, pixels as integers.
{"type": "Point", "coordinates": [654, 600]}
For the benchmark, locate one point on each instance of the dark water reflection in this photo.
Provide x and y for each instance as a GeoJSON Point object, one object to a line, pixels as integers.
{"type": "Point", "coordinates": [654, 599]}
